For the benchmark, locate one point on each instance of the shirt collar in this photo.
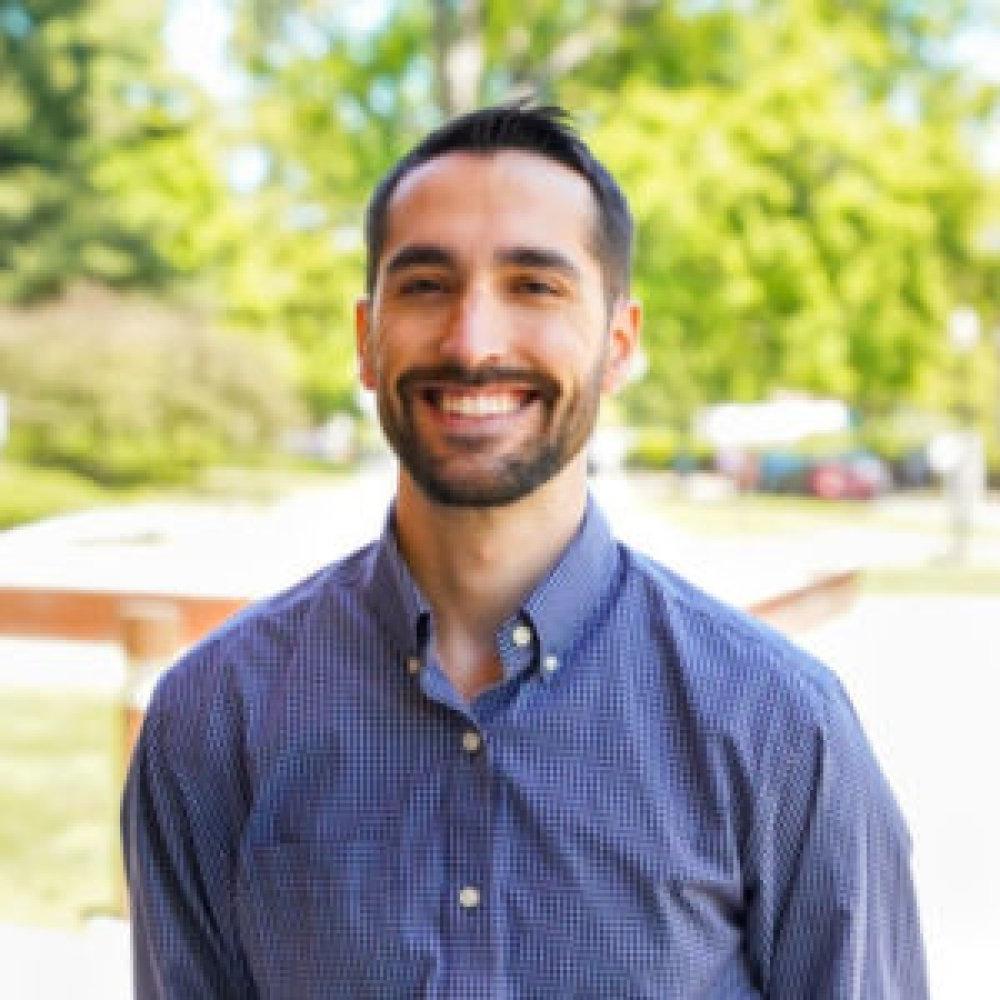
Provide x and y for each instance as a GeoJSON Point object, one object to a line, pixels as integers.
{"type": "Point", "coordinates": [397, 599]}
{"type": "Point", "coordinates": [562, 602]}
{"type": "Point", "coordinates": [569, 594]}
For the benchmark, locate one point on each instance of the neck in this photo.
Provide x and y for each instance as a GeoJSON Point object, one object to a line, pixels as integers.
{"type": "Point", "coordinates": [476, 566]}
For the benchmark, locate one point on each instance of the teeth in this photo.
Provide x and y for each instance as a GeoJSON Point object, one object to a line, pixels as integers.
{"type": "Point", "coordinates": [479, 404]}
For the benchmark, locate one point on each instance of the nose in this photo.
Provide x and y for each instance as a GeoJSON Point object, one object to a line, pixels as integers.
{"type": "Point", "coordinates": [476, 333]}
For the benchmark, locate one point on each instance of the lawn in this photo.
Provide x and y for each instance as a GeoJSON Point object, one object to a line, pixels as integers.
{"type": "Point", "coordinates": [59, 780]}
{"type": "Point", "coordinates": [934, 578]}
{"type": "Point", "coordinates": [29, 492]}
{"type": "Point", "coordinates": [919, 518]}
{"type": "Point", "coordinates": [763, 513]}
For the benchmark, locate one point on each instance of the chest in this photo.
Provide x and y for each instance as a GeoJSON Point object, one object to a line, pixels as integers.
{"type": "Point", "coordinates": [444, 853]}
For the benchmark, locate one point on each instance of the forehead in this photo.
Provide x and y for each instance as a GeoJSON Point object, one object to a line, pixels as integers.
{"type": "Point", "coordinates": [505, 197]}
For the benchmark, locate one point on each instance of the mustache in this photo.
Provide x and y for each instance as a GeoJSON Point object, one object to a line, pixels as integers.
{"type": "Point", "coordinates": [416, 379]}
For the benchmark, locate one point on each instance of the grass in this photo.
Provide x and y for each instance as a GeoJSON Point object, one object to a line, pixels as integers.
{"type": "Point", "coordinates": [799, 518]}
{"type": "Point", "coordinates": [758, 514]}
{"type": "Point", "coordinates": [934, 578]}
{"type": "Point", "coordinates": [59, 788]}
{"type": "Point", "coordinates": [763, 513]}
{"type": "Point", "coordinates": [29, 492]}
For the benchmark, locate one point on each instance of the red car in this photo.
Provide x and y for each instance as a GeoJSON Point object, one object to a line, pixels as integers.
{"type": "Point", "coordinates": [848, 477]}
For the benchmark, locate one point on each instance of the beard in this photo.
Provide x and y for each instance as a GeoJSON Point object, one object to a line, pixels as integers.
{"type": "Point", "coordinates": [566, 425]}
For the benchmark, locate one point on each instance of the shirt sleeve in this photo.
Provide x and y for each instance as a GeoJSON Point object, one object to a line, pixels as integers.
{"type": "Point", "coordinates": [179, 831]}
{"type": "Point", "coordinates": [834, 912]}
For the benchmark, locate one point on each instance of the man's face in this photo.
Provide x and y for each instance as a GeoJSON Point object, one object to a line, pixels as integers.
{"type": "Point", "coordinates": [488, 340]}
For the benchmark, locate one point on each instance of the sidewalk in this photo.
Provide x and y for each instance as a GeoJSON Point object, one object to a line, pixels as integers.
{"type": "Point", "coordinates": [46, 964]}
{"type": "Point", "coordinates": [924, 674]}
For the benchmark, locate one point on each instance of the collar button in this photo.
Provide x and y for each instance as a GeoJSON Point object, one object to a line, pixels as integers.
{"type": "Point", "coordinates": [521, 636]}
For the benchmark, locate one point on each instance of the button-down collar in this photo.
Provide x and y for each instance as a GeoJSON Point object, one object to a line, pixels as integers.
{"type": "Point", "coordinates": [395, 596]}
{"type": "Point", "coordinates": [559, 606]}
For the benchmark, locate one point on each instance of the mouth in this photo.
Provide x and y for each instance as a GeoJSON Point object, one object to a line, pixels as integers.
{"type": "Point", "coordinates": [488, 401]}
{"type": "Point", "coordinates": [478, 404]}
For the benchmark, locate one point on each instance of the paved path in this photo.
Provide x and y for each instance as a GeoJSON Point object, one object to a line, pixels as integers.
{"type": "Point", "coordinates": [924, 673]}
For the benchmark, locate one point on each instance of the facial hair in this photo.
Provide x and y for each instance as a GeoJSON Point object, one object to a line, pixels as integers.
{"type": "Point", "coordinates": [568, 418]}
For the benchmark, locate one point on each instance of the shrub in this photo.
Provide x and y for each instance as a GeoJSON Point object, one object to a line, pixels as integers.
{"type": "Point", "coordinates": [661, 448]}
{"type": "Point", "coordinates": [653, 448]}
{"type": "Point", "coordinates": [993, 465]}
{"type": "Point", "coordinates": [124, 390]}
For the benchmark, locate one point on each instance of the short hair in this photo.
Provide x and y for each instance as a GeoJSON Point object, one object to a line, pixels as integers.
{"type": "Point", "coordinates": [546, 131]}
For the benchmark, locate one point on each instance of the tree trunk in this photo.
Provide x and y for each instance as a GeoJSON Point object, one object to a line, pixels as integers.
{"type": "Point", "coordinates": [458, 50]}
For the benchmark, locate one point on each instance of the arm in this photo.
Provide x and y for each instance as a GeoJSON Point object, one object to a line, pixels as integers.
{"type": "Point", "coordinates": [179, 832]}
{"type": "Point", "coordinates": [835, 914]}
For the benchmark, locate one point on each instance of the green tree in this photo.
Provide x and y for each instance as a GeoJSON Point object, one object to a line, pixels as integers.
{"type": "Point", "coordinates": [788, 237]}
{"type": "Point", "coordinates": [807, 205]}
{"type": "Point", "coordinates": [63, 102]}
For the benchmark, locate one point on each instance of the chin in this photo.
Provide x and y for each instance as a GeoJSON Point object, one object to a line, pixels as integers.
{"type": "Point", "coordinates": [512, 480]}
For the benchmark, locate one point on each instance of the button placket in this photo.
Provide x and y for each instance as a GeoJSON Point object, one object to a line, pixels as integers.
{"type": "Point", "coordinates": [470, 835]}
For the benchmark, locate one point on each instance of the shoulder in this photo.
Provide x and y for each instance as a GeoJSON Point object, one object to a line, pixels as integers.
{"type": "Point", "coordinates": [232, 664]}
{"type": "Point", "coordinates": [724, 643]}
{"type": "Point", "coordinates": [739, 674]}
{"type": "Point", "coordinates": [755, 697]}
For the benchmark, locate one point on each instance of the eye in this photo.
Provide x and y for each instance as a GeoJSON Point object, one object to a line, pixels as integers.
{"type": "Point", "coordinates": [421, 285]}
{"type": "Point", "coordinates": [534, 286]}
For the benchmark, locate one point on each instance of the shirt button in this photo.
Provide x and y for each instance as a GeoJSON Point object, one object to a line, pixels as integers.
{"type": "Point", "coordinates": [413, 665]}
{"type": "Point", "coordinates": [471, 740]}
{"type": "Point", "coordinates": [468, 898]}
{"type": "Point", "coordinates": [521, 635]}
{"type": "Point", "coordinates": [550, 664]}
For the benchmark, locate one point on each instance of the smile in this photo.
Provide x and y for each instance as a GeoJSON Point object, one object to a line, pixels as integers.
{"type": "Point", "coordinates": [479, 402]}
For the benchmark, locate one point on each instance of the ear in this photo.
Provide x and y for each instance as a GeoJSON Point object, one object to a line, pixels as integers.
{"type": "Point", "coordinates": [362, 332]}
{"type": "Point", "coordinates": [623, 344]}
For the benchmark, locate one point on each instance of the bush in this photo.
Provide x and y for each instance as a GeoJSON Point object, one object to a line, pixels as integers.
{"type": "Point", "coordinates": [126, 390]}
{"type": "Point", "coordinates": [662, 448]}
{"type": "Point", "coordinates": [653, 448]}
{"type": "Point", "coordinates": [993, 465]}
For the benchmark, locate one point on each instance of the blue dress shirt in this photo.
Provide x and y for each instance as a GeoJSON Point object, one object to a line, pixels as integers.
{"type": "Point", "coordinates": [661, 799]}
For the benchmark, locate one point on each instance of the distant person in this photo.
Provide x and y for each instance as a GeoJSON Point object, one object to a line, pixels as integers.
{"type": "Point", "coordinates": [496, 753]}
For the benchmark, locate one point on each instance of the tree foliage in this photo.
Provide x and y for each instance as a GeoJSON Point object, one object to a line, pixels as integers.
{"type": "Point", "coordinates": [82, 103]}
{"type": "Point", "coordinates": [808, 208]}
{"type": "Point", "coordinates": [138, 390]}
{"type": "Point", "coordinates": [791, 235]}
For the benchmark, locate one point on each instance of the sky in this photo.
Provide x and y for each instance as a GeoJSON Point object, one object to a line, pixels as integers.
{"type": "Point", "coordinates": [195, 35]}
{"type": "Point", "coordinates": [197, 31]}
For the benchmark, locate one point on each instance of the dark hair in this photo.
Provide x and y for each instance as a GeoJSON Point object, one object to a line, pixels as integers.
{"type": "Point", "coordinates": [546, 131]}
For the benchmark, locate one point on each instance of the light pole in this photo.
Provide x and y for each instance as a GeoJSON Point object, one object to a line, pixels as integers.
{"type": "Point", "coordinates": [964, 478]}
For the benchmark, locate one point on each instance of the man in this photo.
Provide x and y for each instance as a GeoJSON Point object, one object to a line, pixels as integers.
{"type": "Point", "coordinates": [496, 754]}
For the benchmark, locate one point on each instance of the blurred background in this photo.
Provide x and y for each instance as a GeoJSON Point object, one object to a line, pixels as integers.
{"type": "Point", "coordinates": [813, 432]}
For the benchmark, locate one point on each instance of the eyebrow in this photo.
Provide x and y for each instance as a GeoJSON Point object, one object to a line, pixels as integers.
{"type": "Point", "coordinates": [416, 254]}
{"type": "Point", "coordinates": [542, 257]}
